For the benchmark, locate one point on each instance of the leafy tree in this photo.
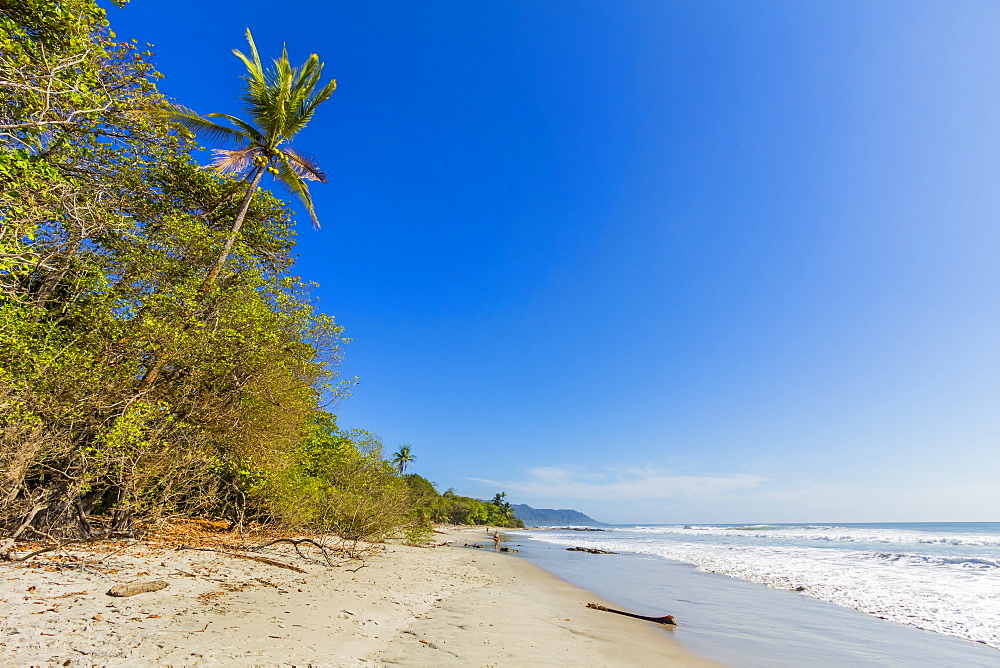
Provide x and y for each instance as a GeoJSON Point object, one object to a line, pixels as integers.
{"type": "Point", "coordinates": [423, 497]}
{"type": "Point", "coordinates": [339, 483]}
{"type": "Point", "coordinates": [402, 458]}
{"type": "Point", "coordinates": [422, 492]}
{"type": "Point", "coordinates": [76, 136]}
{"type": "Point", "coordinates": [452, 508]}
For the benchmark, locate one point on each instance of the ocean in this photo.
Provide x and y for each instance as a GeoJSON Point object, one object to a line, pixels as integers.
{"type": "Point", "coordinates": [799, 594]}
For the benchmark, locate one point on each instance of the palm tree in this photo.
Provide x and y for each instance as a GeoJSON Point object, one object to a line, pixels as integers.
{"type": "Point", "coordinates": [280, 101]}
{"type": "Point", "coordinates": [403, 458]}
{"type": "Point", "coordinates": [499, 499]}
{"type": "Point", "coordinates": [502, 504]}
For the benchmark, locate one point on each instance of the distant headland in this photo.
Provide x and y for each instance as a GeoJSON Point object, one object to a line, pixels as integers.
{"type": "Point", "coordinates": [549, 517]}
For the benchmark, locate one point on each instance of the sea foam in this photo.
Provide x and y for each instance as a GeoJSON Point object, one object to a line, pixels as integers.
{"type": "Point", "coordinates": [944, 581]}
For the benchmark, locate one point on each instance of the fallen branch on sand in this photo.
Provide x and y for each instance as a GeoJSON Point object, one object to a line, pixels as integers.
{"type": "Point", "coordinates": [668, 619]}
{"type": "Point", "coordinates": [57, 545]}
{"type": "Point", "coordinates": [251, 557]}
{"type": "Point", "coordinates": [295, 542]}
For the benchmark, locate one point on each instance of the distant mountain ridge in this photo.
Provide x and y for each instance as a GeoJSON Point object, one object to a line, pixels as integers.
{"type": "Point", "coordinates": [543, 517]}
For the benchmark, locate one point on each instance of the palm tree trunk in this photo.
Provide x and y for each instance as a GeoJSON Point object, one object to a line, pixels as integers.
{"type": "Point", "coordinates": [154, 371]}
{"type": "Point", "coordinates": [234, 232]}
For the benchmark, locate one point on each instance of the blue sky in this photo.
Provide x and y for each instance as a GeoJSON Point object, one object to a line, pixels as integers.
{"type": "Point", "coordinates": [657, 261]}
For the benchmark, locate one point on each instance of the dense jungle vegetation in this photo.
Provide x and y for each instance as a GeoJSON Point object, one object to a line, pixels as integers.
{"type": "Point", "coordinates": [157, 355]}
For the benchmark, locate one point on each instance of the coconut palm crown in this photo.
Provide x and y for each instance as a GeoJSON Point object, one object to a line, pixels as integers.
{"type": "Point", "coordinates": [280, 101]}
{"type": "Point", "coordinates": [403, 458]}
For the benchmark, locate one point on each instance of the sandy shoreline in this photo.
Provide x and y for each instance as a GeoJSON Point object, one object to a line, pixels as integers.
{"type": "Point", "coordinates": [405, 606]}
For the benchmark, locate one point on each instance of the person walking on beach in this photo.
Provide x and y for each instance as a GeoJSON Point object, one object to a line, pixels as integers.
{"type": "Point", "coordinates": [496, 541]}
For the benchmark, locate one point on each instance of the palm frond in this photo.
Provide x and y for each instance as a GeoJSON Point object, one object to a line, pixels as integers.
{"type": "Point", "coordinates": [289, 177]}
{"type": "Point", "coordinates": [282, 99]}
{"type": "Point", "coordinates": [249, 131]}
{"type": "Point", "coordinates": [256, 79]}
{"type": "Point", "coordinates": [305, 76]}
{"type": "Point", "coordinates": [254, 67]}
{"type": "Point", "coordinates": [308, 97]}
{"type": "Point", "coordinates": [308, 107]}
{"type": "Point", "coordinates": [235, 161]}
{"type": "Point", "coordinates": [197, 123]}
{"type": "Point", "coordinates": [304, 166]}
{"type": "Point", "coordinates": [279, 89]}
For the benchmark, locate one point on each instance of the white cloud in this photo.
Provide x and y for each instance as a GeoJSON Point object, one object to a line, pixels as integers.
{"type": "Point", "coordinates": [625, 484]}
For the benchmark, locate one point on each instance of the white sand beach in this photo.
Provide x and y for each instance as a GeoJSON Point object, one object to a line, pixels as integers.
{"type": "Point", "coordinates": [403, 606]}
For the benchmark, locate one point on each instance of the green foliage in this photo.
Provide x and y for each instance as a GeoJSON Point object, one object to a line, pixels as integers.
{"type": "Point", "coordinates": [419, 535]}
{"type": "Point", "coordinates": [156, 354]}
{"type": "Point", "coordinates": [450, 508]}
{"type": "Point", "coordinates": [422, 492]}
{"type": "Point", "coordinates": [339, 483]}
{"type": "Point", "coordinates": [108, 229]}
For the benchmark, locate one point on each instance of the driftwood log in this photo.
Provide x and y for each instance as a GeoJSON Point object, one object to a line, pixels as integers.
{"type": "Point", "coordinates": [667, 619]}
{"type": "Point", "coordinates": [590, 550]}
{"type": "Point", "coordinates": [133, 588]}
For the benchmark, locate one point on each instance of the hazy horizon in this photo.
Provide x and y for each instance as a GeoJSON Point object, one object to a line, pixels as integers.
{"type": "Point", "coordinates": [814, 522]}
